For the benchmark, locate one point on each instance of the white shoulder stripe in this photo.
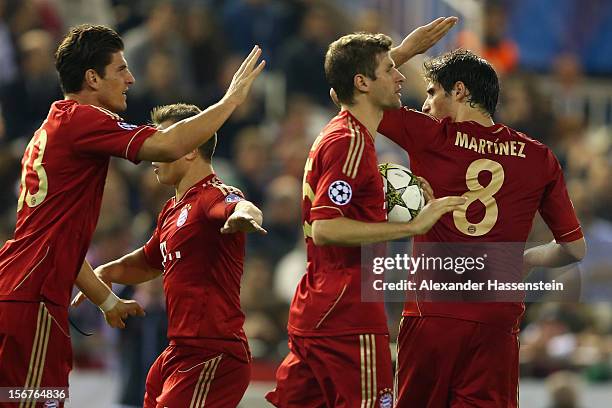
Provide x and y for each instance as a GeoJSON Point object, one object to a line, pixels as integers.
{"type": "Point", "coordinates": [350, 149]}
{"type": "Point", "coordinates": [358, 160]}
{"type": "Point", "coordinates": [355, 154]}
{"type": "Point", "coordinates": [107, 112]}
{"type": "Point", "coordinates": [127, 148]}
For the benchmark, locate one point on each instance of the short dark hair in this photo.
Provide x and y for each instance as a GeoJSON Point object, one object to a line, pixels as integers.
{"type": "Point", "coordinates": [351, 55]}
{"type": "Point", "coordinates": [475, 72]}
{"type": "Point", "coordinates": [177, 112]}
{"type": "Point", "coordinates": [85, 47]}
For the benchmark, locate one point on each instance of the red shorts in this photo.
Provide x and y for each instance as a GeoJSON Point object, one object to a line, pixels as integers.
{"type": "Point", "coordinates": [185, 376]}
{"type": "Point", "coordinates": [35, 348]}
{"type": "Point", "coordinates": [343, 371]}
{"type": "Point", "coordinates": [445, 362]}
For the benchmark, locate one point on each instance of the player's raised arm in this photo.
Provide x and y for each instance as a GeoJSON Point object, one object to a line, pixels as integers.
{"type": "Point", "coordinates": [115, 309]}
{"type": "Point", "coordinates": [245, 218]}
{"type": "Point", "coordinates": [422, 39]}
{"type": "Point", "coordinates": [179, 139]}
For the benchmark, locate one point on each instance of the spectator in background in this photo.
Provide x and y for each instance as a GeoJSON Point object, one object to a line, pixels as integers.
{"type": "Point", "coordinates": [265, 312]}
{"type": "Point", "coordinates": [161, 86]}
{"type": "Point", "coordinates": [283, 213]}
{"type": "Point", "coordinates": [249, 22]}
{"type": "Point", "coordinates": [252, 160]}
{"type": "Point", "coordinates": [246, 115]}
{"type": "Point", "coordinates": [205, 43]}
{"type": "Point", "coordinates": [567, 98]}
{"type": "Point", "coordinates": [523, 107]}
{"type": "Point", "coordinates": [142, 341]}
{"type": "Point", "coordinates": [495, 45]}
{"type": "Point", "coordinates": [8, 58]}
{"type": "Point", "coordinates": [158, 33]}
{"type": "Point", "coordinates": [74, 12]}
{"type": "Point", "coordinates": [564, 389]}
{"type": "Point", "coordinates": [303, 56]}
{"type": "Point", "coordinates": [26, 99]}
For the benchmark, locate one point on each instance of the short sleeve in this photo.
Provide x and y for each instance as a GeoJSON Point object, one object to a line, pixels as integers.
{"type": "Point", "coordinates": [339, 165]}
{"type": "Point", "coordinates": [101, 132]}
{"type": "Point", "coordinates": [222, 203]}
{"type": "Point", "coordinates": [410, 129]}
{"type": "Point", "coordinates": [152, 252]}
{"type": "Point", "coordinates": [556, 207]}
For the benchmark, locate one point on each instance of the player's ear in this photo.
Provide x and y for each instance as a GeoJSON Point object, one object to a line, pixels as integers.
{"type": "Point", "coordinates": [460, 91]}
{"type": "Point", "coordinates": [360, 82]}
{"type": "Point", "coordinates": [92, 79]}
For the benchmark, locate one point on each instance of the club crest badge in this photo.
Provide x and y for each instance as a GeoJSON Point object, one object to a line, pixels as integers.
{"type": "Point", "coordinates": [182, 218]}
{"type": "Point", "coordinates": [232, 198]}
{"type": "Point", "coordinates": [385, 398]}
{"type": "Point", "coordinates": [340, 192]}
{"type": "Point", "coordinates": [51, 404]}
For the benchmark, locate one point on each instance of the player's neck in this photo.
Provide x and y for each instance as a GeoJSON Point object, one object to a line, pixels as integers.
{"type": "Point", "coordinates": [367, 114]}
{"type": "Point", "coordinates": [466, 114]}
{"type": "Point", "coordinates": [197, 171]}
{"type": "Point", "coordinates": [84, 98]}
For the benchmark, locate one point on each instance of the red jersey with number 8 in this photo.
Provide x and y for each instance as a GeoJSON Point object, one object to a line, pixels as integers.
{"type": "Point", "coordinates": [507, 178]}
{"type": "Point", "coordinates": [62, 180]}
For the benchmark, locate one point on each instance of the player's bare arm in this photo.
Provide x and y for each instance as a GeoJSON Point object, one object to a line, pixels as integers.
{"type": "Point", "coordinates": [183, 137]}
{"type": "Point", "coordinates": [422, 39]}
{"type": "Point", "coordinates": [344, 231]}
{"type": "Point", "coordinates": [245, 218]}
{"type": "Point", "coordinates": [554, 254]}
{"type": "Point", "coordinates": [115, 310]}
{"type": "Point", "coordinates": [130, 269]}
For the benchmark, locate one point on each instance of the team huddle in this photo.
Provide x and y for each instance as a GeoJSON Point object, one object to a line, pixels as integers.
{"type": "Point", "coordinates": [339, 354]}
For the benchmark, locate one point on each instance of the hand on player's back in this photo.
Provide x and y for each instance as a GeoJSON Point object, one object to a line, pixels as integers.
{"type": "Point", "coordinates": [241, 83]}
{"type": "Point", "coordinates": [434, 209]}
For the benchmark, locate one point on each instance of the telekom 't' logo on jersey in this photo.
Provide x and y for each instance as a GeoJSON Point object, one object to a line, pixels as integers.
{"type": "Point", "coordinates": [168, 256]}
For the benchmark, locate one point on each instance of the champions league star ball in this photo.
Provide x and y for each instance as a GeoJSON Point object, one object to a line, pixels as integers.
{"type": "Point", "coordinates": [403, 192]}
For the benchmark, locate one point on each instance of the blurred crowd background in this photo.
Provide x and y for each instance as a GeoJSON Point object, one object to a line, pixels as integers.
{"type": "Point", "coordinates": [554, 58]}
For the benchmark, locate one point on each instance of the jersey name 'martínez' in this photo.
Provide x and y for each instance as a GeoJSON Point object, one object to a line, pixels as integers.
{"type": "Point", "coordinates": [483, 146]}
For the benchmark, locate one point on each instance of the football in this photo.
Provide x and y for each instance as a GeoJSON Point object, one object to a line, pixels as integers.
{"type": "Point", "coordinates": [403, 193]}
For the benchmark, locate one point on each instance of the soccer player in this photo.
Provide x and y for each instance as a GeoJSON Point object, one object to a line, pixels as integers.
{"type": "Point", "coordinates": [466, 354]}
{"type": "Point", "coordinates": [63, 172]}
{"type": "Point", "coordinates": [198, 245]}
{"type": "Point", "coordinates": [339, 347]}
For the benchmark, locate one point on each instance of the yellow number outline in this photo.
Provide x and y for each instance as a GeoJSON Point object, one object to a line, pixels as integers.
{"type": "Point", "coordinates": [33, 200]}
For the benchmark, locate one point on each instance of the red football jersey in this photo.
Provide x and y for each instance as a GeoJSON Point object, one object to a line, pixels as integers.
{"type": "Point", "coordinates": [341, 179]}
{"type": "Point", "coordinates": [506, 176]}
{"type": "Point", "coordinates": [62, 180]}
{"type": "Point", "coordinates": [202, 267]}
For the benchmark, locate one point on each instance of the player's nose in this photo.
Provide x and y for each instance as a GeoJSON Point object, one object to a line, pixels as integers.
{"type": "Point", "coordinates": [399, 77]}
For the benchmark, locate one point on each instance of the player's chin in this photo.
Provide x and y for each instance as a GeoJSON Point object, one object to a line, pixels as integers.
{"type": "Point", "coordinates": [121, 106]}
{"type": "Point", "coordinates": [395, 104]}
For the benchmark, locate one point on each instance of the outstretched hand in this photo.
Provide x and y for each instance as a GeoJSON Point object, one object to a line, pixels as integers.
{"type": "Point", "coordinates": [240, 86]}
{"type": "Point", "coordinates": [423, 38]}
{"type": "Point", "coordinates": [241, 221]}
